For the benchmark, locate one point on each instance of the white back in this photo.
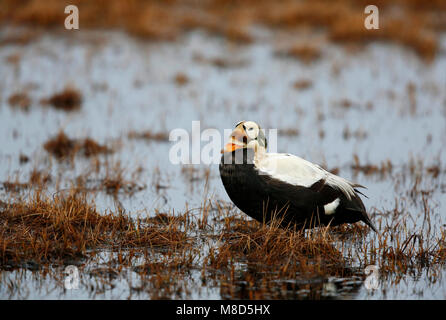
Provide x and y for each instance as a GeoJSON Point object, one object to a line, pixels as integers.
{"type": "Point", "coordinates": [297, 171]}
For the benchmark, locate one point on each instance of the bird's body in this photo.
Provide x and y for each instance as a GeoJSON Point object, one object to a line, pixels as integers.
{"type": "Point", "coordinates": [297, 192]}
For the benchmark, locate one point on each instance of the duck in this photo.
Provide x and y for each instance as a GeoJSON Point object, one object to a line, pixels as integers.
{"type": "Point", "coordinates": [285, 188]}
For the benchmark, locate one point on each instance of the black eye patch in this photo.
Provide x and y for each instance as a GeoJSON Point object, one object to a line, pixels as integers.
{"type": "Point", "coordinates": [238, 123]}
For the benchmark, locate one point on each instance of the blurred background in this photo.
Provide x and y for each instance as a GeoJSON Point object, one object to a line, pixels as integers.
{"type": "Point", "coordinates": [94, 106]}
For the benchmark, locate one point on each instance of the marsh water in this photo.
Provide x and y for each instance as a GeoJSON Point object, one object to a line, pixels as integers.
{"type": "Point", "coordinates": [378, 103]}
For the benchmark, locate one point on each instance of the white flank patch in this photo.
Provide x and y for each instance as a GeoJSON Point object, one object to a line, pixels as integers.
{"type": "Point", "coordinates": [330, 208]}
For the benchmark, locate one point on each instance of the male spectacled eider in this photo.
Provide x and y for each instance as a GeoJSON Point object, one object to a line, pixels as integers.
{"type": "Point", "coordinates": [301, 194]}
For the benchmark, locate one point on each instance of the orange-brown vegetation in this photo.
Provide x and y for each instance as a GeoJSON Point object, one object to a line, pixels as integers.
{"type": "Point", "coordinates": [306, 53]}
{"type": "Point", "coordinates": [18, 37]}
{"type": "Point", "coordinates": [62, 147]}
{"type": "Point", "coordinates": [290, 132]}
{"type": "Point", "coordinates": [383, 169]}
{"type": "Point", "coordinates": [244, 258]}
{"type": "Point", "coordinates": [220, 61]}
{"type": "Point", "coordinates": [163, 248]}
{"type": "Point", "coordinates": [20, 100]}
{"type": "Point", "coordinates": [23, 158]}
{"type": "Point", "coordinates": [39, 178]}
{"type": "Point", "coordinates": [302, 84]}
{"type": "Point", "coordinates": [413, 23]}
{"type": "Point", "coordinates": [149, 136]}
{"type": "Point", "coordinates": [115, 181]}
{"type": "Point", "coordinates": [67, 100]}
{"type": "Point", "coordinates": [53, 228]}
{"type": "Point", "coordinates": [181, 79]}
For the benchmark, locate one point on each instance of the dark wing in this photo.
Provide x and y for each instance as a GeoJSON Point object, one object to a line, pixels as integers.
{"type": "Point", "coordinates": [320, 193]}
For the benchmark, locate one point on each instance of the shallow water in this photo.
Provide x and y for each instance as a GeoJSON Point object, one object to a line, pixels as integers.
{"type": "Point", "coordinates": [128, 85]}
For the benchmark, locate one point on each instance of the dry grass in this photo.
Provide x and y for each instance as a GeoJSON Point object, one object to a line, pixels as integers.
{"type": "Point", "coordinates": [243, 258]}
{"type": "Point", "coordinates": [359, 133]}
{"type": "Point", "coordinates": [290, 132]}
{"type": "Point", "coordinates": [400, 250]}
{"type": "Point", "coordinates": [149, 136]}
{"type": "Point", "coordinates": [222, 62]}
{"type": "Point", "coordinates": [23, 158]}
{"type": "Point", "coordinates": [408, 243]}
{"type": "Point", "coordinates": [69, 99]}
{"type": "Point", "coordinates": [384, 169]}
{"type": "Point", "coordinates": [287, 252]}
{"type": "Point", "coordinates": [256, 261]}
{"type": "Point", "coordinates": [54, 228]}
{"type": "Point", "coordinates": [306, 53]}
{"type": "Point", "coordinates": [194, 174]}
{"type": "Point", "coordinates": [20, 100]}
{"type": "Point", "coordinates": [15, 186]}
{"type": "Point", "coordinates": [246, 259]}
{"type": "Point", "coordinates": [181, 79]}
{"type": "Point", "coordinates": [19, 36]}
{"type": "Point", "coordinates": [115, 181]}
{"type": "Point", "coordinates": [412, 23]}
{"type": "Point", "coordinates": [62, 147]}
{"type": "Point", "coordinates": [37, 179]}
{"type": "Point", "coordinates": [302, 84]}
{"type": "Point", "coordinates": [215, 243]}
{"type": "Point", "coordinates": [409, 31]}
{"type": "Point", "coordinates": [109, 176]}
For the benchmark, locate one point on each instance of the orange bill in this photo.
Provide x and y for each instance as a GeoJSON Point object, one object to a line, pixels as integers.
{"type": "Point", "coordinates": [237, 140]}
{"type": "Point", "coordinates": [229, 147]}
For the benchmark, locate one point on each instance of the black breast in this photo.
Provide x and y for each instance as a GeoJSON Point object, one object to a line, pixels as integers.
{"type": "Point", "coordinates": [262, 197]}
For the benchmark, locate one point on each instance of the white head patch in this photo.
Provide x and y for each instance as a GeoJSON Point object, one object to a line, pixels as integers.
{"type": "Point", "coordinates": [252, 129]}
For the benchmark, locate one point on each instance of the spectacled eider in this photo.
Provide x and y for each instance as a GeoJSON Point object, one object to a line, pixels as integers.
{"type": "Point", "coordinates": [301, 194]}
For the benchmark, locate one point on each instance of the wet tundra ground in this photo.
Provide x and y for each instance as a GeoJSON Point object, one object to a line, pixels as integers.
{"type": "Point", "coordinates": [85, 121]}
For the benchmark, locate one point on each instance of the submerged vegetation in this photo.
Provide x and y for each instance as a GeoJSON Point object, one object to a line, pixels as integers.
{"type": "Point", "coordinates": [62, 147]}
{"type": "Point", "coordinates": [69, 99]}
{"type": "Point", "coordinates": [242, 257]}
{"type": "Point", "coordinates": [20, 100]}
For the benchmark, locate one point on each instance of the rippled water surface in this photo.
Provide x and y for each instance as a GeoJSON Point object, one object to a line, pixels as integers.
{"type": "Point", "coordinates": [378, 103]}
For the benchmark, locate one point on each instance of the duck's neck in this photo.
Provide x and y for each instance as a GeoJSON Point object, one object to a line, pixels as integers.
{"type": "Point", "coordinates": [260, 153]}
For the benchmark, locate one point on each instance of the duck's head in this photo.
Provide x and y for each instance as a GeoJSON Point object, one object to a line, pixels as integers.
{"type": "Point", "coordinates": [247, 134]}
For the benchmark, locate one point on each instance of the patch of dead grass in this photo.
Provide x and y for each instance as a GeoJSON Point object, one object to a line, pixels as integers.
{"type": "Point", "coordinates": [54, 228]}
{"type": "Point", "coordinates": [305, 53]}
{"type": "Point", "coordinates": [413, 23]}
{"type": "Point", "coordinates": [20, 100]}
{"type": "Point", "coordinates": [63, 147]}
{"type": "Point", "coordinates": [69, 99]}
{"type": "Point", "coordinates": [149, 136]}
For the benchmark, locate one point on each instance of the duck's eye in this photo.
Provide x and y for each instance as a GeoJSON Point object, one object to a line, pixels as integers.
{"type": "Point", "coordinates": [250, 129]}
